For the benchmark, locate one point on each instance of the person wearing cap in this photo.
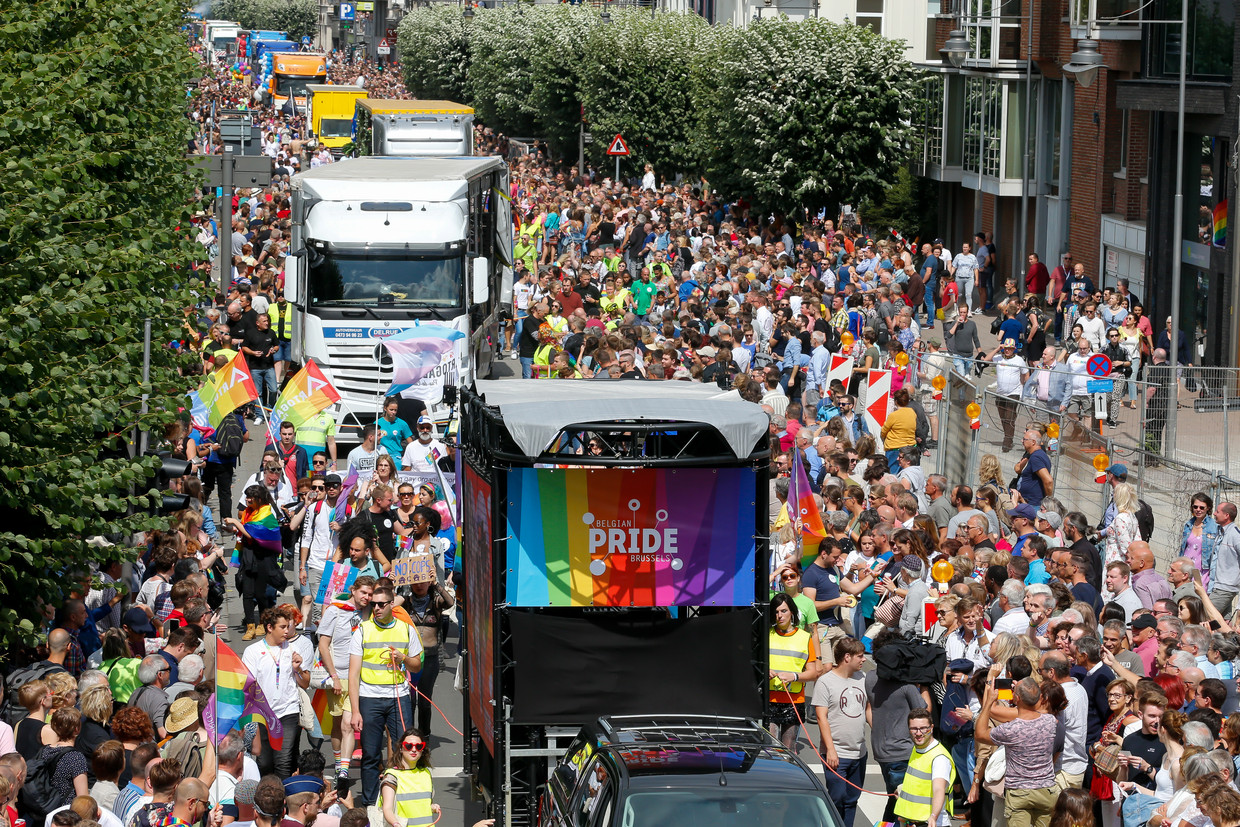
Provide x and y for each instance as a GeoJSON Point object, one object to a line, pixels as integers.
{"type": "Point", "coordinates": [423, 454]}
{"type": "Point", "coordinates": [1022, 517]}
{"type": "Point", "coordinates": [1011, 371]}
{"type": "Point", "coordinates": [912, 579]}
{"type": "Point", "coordinates": [1048, 524]}
{"type": "Point", "coordinates": [1145, 640]}
{"type": "Point", "coordinates": [138, 627]}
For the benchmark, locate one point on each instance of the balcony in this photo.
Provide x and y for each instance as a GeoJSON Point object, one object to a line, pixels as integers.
{"type": "Point", "coordinates": [1111, 19]}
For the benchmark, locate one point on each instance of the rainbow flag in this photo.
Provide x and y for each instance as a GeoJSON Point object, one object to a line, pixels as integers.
{"type": "Point", "coordinates": [263, 527]}
{"type": "Point", "coordinates": [303, 396]}
{"type": "Point", "coordinates": [238, 700]}
{"type": "Point", "coordinates": [227, 389]}
{"type": "Point", "coordinates": [322, 718]}
{"type": "Point", "coordinates": [1220, 224]}
{"type": "Point", "coordinates": [804, 511]}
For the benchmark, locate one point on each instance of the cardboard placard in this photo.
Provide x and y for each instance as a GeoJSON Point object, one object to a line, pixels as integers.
{"type": "Point", "coordinates": [416, 568]}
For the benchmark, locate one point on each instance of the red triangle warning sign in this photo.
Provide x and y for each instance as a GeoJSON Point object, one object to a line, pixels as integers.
{"type": "Point", "coordinates": [618, 146]}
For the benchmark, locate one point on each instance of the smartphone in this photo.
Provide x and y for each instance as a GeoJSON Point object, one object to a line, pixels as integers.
{"type": "Point", "coordinates": [1003, 687]}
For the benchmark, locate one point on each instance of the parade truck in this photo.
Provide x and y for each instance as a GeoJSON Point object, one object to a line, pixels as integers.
{"type": "Point", "coordinates": [290, 74]}
{"type": "Point", "coordinates": [219, 39]}
{"type": "Point", "coordinates": [381, 246]}
{"type": "Point", "coordinates": [615, 572]}
{"type": "Point", "coordinates": [267, 43]}
{"type": "Point", "coordinates": [413, 128]}
{"type": "Point", "coordinates": [330, 114]}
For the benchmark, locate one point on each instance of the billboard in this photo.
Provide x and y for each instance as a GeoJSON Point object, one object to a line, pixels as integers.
{"type": "Point", "coordinates": [631, 537]}
{"type": "Point", "coordinates": [476, 543]}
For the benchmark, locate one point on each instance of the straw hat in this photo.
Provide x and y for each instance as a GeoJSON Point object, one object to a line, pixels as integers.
{"type": "Point", "coordinates": [181, 715]}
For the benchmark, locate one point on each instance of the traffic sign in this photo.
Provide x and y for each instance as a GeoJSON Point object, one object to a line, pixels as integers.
{"type": "Point", "coordinates": [384, 48]}
{"type": "Point", "coordinates": [366, 5]}
{"type": "Point", "coordinates": [347, 11]}
{"type": "Point", "coordinates": [618, 146]}
{"type": "Point", "coordinates": [1098, 365]}
{"type": "Point", "coordinates": [1100, 386]}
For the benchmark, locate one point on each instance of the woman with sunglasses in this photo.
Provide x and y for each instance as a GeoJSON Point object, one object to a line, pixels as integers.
{"type": "Point", "coordinates": [1200, 534]}
{"type": "Point", "coordinates": [793, 661]}
{"type": "Point", "coordinates": [407, 788]}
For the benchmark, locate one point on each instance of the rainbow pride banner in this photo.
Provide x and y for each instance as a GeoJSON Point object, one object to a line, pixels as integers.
{"type": "Point", "coordinates": [639, 537]}
{"type": "Point", "coordinates": [226, 389]}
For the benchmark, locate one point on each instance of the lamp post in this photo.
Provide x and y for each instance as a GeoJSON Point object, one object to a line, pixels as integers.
{"type": "Point", "coordinates": [1085, 63]}
{"type": "Point", "coordinates": [957, 48]}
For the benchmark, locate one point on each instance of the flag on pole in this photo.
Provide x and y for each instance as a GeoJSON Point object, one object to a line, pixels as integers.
{"type": "Point", "coordinates": [877, 399]}
{"type": "Point", "coordinates": [263, 527]}
{"type": "Point", "coordinates": [307, 393]}
{"type": "Point", "coordinates": [226, 389]}
{"type": "Point", "coordinates": [803, 510]}
{"type": "Point", "coordinates": [238, 700]}
{"type": "Point", "coordinates": [322, 717]}
{"type": "Point", "coordinates": [1220, 224]}
{"type": "Point", "coordinates": [416, 352]}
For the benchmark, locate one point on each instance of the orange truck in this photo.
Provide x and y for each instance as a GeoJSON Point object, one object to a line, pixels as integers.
{"type": "Point", "coordinates": [291, 73]}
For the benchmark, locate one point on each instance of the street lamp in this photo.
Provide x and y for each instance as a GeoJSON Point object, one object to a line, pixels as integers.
{"type": "Point", "coordinates": [1085, 63]}
{"type": "Point", "coordinates": [957, 48]}
{"type": "Point", "coordinates": [468, 14]}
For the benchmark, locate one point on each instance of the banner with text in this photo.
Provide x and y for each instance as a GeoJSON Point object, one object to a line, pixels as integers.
{"type": "Point", "coordinates": [645, 537]}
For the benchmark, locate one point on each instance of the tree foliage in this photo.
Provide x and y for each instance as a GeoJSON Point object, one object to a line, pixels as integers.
{"type": "Point", "coordinates": [94, 189]}
{"type": "Point", "coordinates": [809, 112]}
{"type": "Point", "coordinates": [300, 18]}
{"type": "Point", "coordinates": [432, 38]}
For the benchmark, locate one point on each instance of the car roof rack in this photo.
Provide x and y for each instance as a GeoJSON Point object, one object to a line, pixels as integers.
{"type": "Point", "coordinates": [685, 729]}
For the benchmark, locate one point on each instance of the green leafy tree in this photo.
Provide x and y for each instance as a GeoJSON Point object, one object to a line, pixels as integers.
{"type": "Point", "coordinates": [500, 69]}
{"type": "Point", "coordinates": [638, 82]}
{"type": "Point", "coordinates": [908, 205]}
{"type": "Point", "coordinates": [94, 191]}
{"type": "Point", "coordinates": [806, 113]}
{"type": "Point", "coordinates": [556, 55]}
{"type": "Point", "coordinates": [433, 52]}
{"type": "Point", "coordinates": [299, 18]}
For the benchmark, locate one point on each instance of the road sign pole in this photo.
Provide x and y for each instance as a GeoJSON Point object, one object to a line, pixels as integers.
{"type": "Point", "coordinates": [226, 225]}
{"type": "Point", "coordinates": [617, 178]}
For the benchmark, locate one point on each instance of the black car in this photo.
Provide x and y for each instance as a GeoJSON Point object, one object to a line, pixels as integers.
{"type": "Point", "coordinates": [679, 770]}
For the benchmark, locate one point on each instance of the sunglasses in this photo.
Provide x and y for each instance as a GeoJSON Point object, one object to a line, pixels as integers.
{"type": "Point", "coordinates": [412, 747]}
{"type": "Point", "coordinates": [318, 488]}
{"type": "Point", "coordinates": [380, 604]}
{"type": "Point", "coordinates": [406, 493]}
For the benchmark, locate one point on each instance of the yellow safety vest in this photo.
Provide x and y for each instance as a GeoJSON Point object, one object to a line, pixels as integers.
{"type": "Point", "coordinates": [917, 789]}
{"type": "Point", "coordinates": [282, 324]}
{"type": "Point", "coordinates": [788, 653]}
{"type": "Point", "coordinates": [377, 669]}
{"type": "Point", "coordinates": [413, 796]}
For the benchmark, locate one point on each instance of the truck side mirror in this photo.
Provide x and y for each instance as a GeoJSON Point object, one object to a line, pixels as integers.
{"type": "Point", "coordinates": [294, 267]}
{"type": "Point", "coordinates": [480, 284]}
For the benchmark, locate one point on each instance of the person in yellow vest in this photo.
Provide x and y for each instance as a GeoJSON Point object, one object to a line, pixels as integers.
{"type": "Point", "coordinates": [383, 650]}
{"type": "Point", "coordinates": [281, 315]}
{"type": "Point", "coordinates": [407, 790]}
{"type": "Point", "coordinates": [924, 796]}
{"type": "Point", "coordinates": [793, 655]}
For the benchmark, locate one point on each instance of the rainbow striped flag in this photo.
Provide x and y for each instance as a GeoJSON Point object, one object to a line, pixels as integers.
{"type": "Point", "coordinates": [303, 396]}
{"type": "Point", "coordinates": [263, 527]}
{"type": "Point", "coordinates": [322, 718]}
{"type": "Point", "coordinates": [804, 513]}
{"type": "Point", "coordinates": [227, 389]}
{"type": "Point", "coordinates": [238, 700]}
{"type": "Point", "coordinates": [1220, 224]}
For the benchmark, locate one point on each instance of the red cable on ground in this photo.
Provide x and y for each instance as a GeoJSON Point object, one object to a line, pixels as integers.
{"type": "Point", "coordinates": [413, 685]}
{"type": "Point", "coordinates": [797, 712]}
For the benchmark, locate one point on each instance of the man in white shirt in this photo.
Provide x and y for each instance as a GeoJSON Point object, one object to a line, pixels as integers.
{"type": "Point", "coordinates": [1012, 602]}
{"type": "Point", "coordinates": [273, 478]}
{"type": "Point", "coordinates": [522, 294]}
{"type": "Point", "coordinates": [1072, 762]}
{"type": "Point", "coordinates": [340, 621]}
{"type": "Point", "coordinates": [1118, 578]}
{"type": "Point", "coordinates": [1079, 399]}
{"type": "Point", "coordinates": [277, 669]}
{"type": "Point", "coordinates": [362, 458]}
{"type": "Point", "coordinates": [964, 270]}
{"type": "Point", "coordinates": [319, 528]}
{"type": "Point", "coordinates": [231, 755]}
{"type": "Point", "coordinates": [1011, 371]}
{"type": "Point", "coordinates": [1093, 325]}
{"type": "Point", "coordinates": [423, 453]}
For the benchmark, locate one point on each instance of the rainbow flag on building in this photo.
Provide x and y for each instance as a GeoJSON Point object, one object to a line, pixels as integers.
{"type": "Point", "coordinates": [238, 700]}
{"type": "Point", "coordinates": [307, 393]}
{"type": "Point", "coordinates": [1220, 224]}
{"type": "Point", "coordinates": [804, 513]}
{"type": "Point", "coordinates": [227, 389]}
{"type": "Point", "coordinates": [263, 527]}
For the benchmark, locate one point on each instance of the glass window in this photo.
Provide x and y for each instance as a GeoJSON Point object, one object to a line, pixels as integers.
{"type": "Point", "coordinates": [385, 279]}
{"type": "Point", "coordinates": [1016, 130]}
{"type": "Point", "coordinates": [1211, 40]}
{"type": "Point", "coordinates": [742, 808]}
{"type": "Point", "coordinates": [930, 113]}
{"type": "Point", "coordinates": [992, 125]}
{"type": "Point", "coordinates": [954, 120]}
{"type": "Point", "coordinates": [974, 91]}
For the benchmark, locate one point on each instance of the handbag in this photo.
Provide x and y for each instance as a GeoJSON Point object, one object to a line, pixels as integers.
{"type": "Point", "coordinates": [994, 326]}
{"type": "Point", "coordinates": [305, 711]}
{"type": "Point", "coordinates": [888, 612]}
{"type": "Point", "coordinates": [1106, 760]}
{"type": "Point", "coordinates": [996, 771]}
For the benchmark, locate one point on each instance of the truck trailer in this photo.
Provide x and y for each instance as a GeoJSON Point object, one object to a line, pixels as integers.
{"type": "Point", "coordinates": [413, 128]}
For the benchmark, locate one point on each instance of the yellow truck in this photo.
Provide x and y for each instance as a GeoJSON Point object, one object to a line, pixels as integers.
{"type": "Point", "coordinates": [291, 73]}
{"type": "Point", "coordinates": [330, 113]}
{"type": "Point", "coordinates": [427, 128]}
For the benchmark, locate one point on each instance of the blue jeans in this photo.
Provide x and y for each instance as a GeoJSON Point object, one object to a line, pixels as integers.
{"type": "Point", "coordinates": [527, 367]}
{"type": "Point", "coordinates": [1137, 809]}
{"type": "Point", "coordinates": [966, 290]}
{"type": "Point", "coordinates": [962, 757]}
{"type": "Point", "coordinates": [380, 714]}
{"type": "Point", "coordinates": [893, 776]}
{"type": "Point", "coordinates": [265, 384]}
{"type": "Point", "coordinates": [845, 796]}
{"type": "Point", "coordinates": [961, 364]}
{"type": "Point", "coordinates": [893, 459]}
{"type": "Point", "coordinates": [931, 289]}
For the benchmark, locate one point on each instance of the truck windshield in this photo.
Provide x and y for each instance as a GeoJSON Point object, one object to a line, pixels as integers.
{"type": "Point", "coordinates": [386, 279]}
{"type": "Point", "coordinates": [225, 44]}
{"type": "Point", "coordinates": [743, 808]}
{"type": "Point", "coordinates": [336, 128]}
{"type": "Point", "coordinates": [289, 86]}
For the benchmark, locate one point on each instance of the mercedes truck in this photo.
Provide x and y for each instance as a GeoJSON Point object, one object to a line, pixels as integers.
{"type": "Point", "coordinates": [380, 245]}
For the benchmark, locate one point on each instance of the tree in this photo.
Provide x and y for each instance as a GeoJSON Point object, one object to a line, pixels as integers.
{"type": "Point", "coordinates": [639, 82]}
{"type": "Point", "coordinates": [806, 113]}
{"type": "Point", "coordinates": [299, 18]}
{"type": "Point", "coordinates": [433, 53]}
{"type": "Point", "coordinates": [500, 69]}
{"type": "Point", "coordinates": [908, 205]}
{"type": "Point", "coordinates": [96, 192]}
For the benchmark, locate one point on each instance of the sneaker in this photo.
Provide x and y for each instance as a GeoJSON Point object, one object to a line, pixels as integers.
{"type": "Point", "coordinates": [258, 420]}
{"type": "Point", "coordinates": [513, 356]}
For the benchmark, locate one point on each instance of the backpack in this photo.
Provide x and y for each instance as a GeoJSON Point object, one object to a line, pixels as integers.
{"type": "Point", "coordinates": [955, 695]}
{"type": "Point", "coordinates": [230, 437]}
{"type": "Point", "coordinates": [1145, 520]}
{"type": "Point", "coordinates": [12, 711]}
{"type": "Point", "coordinates": [185, 750]}
{"type": "Point", "coordinates": [39, 795]}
